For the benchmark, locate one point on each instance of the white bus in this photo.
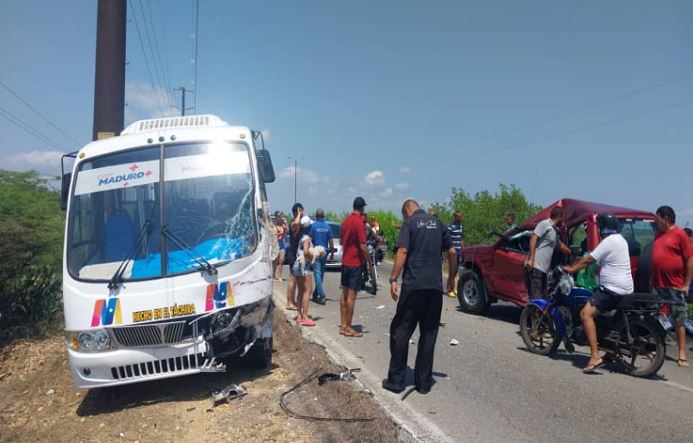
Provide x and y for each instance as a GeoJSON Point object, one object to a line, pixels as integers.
{"type": "Point", "coordinates": [166, 267]}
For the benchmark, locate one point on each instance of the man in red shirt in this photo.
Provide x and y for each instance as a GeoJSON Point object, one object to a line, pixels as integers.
{"type": "Point", "coordinates": [672, 270]}
{"type": "Point", "coordinates": [354, 255]}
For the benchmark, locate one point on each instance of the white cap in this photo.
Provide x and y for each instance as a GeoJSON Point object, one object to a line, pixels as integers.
{"type": "Point", "coordinates": [306, 221]}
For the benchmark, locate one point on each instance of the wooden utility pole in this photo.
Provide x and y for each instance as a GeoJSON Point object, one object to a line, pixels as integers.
{"type": "Point", "coordinates": [109, 80]}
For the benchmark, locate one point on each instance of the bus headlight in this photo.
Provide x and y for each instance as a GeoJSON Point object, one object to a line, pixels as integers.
{"type": "Point", "coordinates": [89, 341]}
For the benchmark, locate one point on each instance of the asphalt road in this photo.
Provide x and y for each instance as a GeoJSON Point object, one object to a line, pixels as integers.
{"type": "Point", "coordinates": [489, 388]}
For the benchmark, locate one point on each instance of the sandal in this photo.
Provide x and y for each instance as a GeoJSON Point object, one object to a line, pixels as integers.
{"type": "Point", "coordinates": [291, 308]}
{"type": "Point", "coordinates": [683, 363]}
{"type": "Point", "coordinates": [591, 368]}
{"type": "Point", "coordinates": [308, 322]}
{"type": "Point", "coordinates": [352, 333]}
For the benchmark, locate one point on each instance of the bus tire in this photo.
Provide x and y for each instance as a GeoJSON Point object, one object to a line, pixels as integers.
{"type": "Point", "coordinates": [260, 355]}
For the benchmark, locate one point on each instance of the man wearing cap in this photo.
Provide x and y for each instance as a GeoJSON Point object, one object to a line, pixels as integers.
{"type": "Point", "coordinates": [354, 255]}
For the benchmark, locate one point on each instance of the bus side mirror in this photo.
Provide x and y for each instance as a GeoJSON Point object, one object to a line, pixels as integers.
{"type": "Point", "coordinates": [264, 162]}
{"type": "Point", "coordinates": [65, 190]}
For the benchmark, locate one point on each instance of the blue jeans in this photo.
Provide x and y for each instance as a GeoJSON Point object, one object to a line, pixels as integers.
{"type": "Point", "coordinates": [319, 275]}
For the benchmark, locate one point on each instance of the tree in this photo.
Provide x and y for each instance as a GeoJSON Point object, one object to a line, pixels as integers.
{"type": "Point", "coordinates": [30, 271]}
{"type": "Point", "coordinates": [484, 212]}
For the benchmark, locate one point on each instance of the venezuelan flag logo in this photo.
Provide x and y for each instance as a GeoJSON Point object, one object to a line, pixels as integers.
{"type": "Point", "coordinates": [106, 312]}
{"type": "Point", "coordinates": [219, 296]}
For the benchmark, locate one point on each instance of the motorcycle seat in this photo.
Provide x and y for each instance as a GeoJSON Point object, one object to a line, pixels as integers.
{"type": "Point", "coordinates": [637, 298]}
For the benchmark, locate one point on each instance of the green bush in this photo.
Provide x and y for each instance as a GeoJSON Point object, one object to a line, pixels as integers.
{"type": "Point", "coordinates": [32, 224]}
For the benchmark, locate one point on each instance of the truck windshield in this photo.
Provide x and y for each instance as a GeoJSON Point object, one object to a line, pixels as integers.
{"type": "Point", "coordinates": [202, 193]}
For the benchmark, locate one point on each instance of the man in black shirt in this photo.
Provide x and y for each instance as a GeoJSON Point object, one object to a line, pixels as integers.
{"type": "Point", "coordinates": [422, 239]}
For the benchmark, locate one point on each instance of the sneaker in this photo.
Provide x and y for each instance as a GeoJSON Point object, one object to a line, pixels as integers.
{"type": "Point", "coordinates": [320, 301]}
{"type": "Point", "coordinates": [452, 294]}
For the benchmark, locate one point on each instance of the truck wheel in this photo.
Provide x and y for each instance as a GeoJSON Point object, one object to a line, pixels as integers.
{"type": "Point", "coordinates": [471, 293]}
{"type": "Point", "coordinates": [260, 355]}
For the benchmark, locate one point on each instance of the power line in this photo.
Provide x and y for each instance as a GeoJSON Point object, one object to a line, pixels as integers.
{"type": "Point", "coordinates": [197, 39]}
{"type": "Point", "coordinates": [39, 114]}
{"type": "Point", "coordinates": [144, 55]}
{"type": "Point", "coordinates": [598, 125]}
{"type": "Point", "coordinates": [577, 110]}
{"type": "Point", "coordinates": [156, 56]}
{"type": "Point", "coordinates": [29, 129]}
{"type": "Point", "coordinates": [162, 54]}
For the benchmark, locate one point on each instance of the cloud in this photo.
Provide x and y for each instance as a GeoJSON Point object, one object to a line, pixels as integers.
{"type": "Point", "coordinates": [43, 161]}
{"type": "Point", "coordinates": [143, 102]}
{"type": "Point", "coordinates": [402, 186]}
{"type": "Point", "coordinates": [386, 193]}
{"type": "Point", "coordinates": [375, 178]}
{"type": "Point", "coordinates": [404, 170]}
{"type": "Point", "coordinates": [303, 176]}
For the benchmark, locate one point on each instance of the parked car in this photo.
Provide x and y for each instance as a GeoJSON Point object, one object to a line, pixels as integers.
{"type": "Point", "coordinates": [335, 262]}
{"type": "Point", "coordinates": [492, 272]}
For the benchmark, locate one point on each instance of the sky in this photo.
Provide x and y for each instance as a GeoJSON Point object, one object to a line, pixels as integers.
{"type": "Point", "coordinates": [388, 99]}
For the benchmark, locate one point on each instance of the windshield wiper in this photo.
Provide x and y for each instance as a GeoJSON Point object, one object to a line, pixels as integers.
{"type": "Point", "coordinates": [207, 266]}
{"type": "Point", "coordinates": [117, 278]}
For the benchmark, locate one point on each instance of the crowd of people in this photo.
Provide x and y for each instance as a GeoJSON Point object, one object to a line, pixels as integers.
{"type": "Point", "coordinates": [304, 245]}
{"type": "Point", "coordinates": [671, 271]}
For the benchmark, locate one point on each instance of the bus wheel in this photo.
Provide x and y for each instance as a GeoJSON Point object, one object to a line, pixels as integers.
{"type": "Point", "coordinates": [260, 355]}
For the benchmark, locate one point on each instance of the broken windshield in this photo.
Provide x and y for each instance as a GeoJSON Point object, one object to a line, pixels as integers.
{"type": "Point", "coordinates": [206, 201]}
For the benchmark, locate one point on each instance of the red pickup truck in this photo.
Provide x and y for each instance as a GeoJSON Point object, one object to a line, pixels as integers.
{"type": "Point", "coordinates": [492, 272]}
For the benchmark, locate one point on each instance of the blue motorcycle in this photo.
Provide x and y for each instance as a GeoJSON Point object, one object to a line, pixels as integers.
{"type": "Point", "coordinates": [632, 335]}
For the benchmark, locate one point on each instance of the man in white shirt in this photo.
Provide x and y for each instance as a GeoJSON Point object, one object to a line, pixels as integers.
{"type": "Point", "coordinates": [615, 280]}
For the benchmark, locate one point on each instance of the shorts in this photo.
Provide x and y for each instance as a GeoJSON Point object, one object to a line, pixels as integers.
{"type": "Point", "coordinates": [605, 300]}
{"type": "Point", "coordinates": [351, 278]}
{"type": "Point", "coordinates": [296, 270]}
{"type": "Point", "coordinates": [536, 284]}
{"type": "Point", "coordinates": [676, 300]}
{"type": "Point", "coordinates": [282, 246]}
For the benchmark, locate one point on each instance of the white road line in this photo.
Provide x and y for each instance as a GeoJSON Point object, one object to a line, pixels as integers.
{"type": "Point", "coordinates": [678, 386]}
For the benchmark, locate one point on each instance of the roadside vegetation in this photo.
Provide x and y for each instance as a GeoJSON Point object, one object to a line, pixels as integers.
{"type": "Point", "coordinates": [31, 223]}
{"type": "Point", "coordinates": [484, 212]}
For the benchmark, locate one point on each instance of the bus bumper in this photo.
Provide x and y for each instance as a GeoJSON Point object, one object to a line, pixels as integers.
{"type": "Point", "coordinates": [125, 366]}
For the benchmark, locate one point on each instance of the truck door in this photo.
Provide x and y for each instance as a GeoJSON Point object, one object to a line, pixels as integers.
{"type": "Point", "coordinates": [508, 277]}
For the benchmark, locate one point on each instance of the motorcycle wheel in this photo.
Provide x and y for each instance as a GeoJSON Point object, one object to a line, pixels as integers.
{"type": "Point", "coordinates": [645, 355]}
{"type": "Point", "coordinates": [538, 331]}
{"type": "Point", "coordinates": [374, 281]}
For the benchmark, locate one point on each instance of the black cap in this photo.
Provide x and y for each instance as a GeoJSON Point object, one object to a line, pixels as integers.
{"type": "Point", "coordinates": [359, 203]}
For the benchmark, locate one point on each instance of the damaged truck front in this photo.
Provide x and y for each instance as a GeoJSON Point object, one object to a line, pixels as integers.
{"type": "Point", "coordinates": [166, 268]}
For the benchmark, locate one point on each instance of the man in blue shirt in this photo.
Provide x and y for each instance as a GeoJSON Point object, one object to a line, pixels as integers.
{"type": "Point", "coordinates": [456, 234]}
{"type": "Point", "coordinates": [321, 234]}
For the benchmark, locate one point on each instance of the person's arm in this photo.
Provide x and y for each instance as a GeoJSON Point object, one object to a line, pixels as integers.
{"type": "Point", "coordinates": [306, 248]}
{"type": "Point", "coordinates": [400, 259]}
{"type": "Point", "coordinates": [363, 248]}
{"type": "Point", "coordinates": [582, 264]}
{"type": "Point", "coordinates": [565, 250]}
{"type": "Point", "coordinates": [689, 275]}
{"type": "Point", "coordinates": [532, 250]}
{"type": "Point", "coordinates": [331, 246]}
{"type": "Point", "coordinates": [402, 245]}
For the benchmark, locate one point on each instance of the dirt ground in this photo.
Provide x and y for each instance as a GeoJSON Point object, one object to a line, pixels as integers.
{"type": "Point", "coordinates": [38, 401]}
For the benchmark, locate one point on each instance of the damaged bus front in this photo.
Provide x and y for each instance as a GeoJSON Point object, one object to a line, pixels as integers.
{"type": "Point", "coordinates": [166, 268]}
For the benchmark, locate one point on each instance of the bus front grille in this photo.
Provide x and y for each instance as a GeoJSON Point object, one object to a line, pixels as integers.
{"type": "Point", "coordinates": [149, 335]}
{"type": "Point", "coordinates": [156, 367]}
